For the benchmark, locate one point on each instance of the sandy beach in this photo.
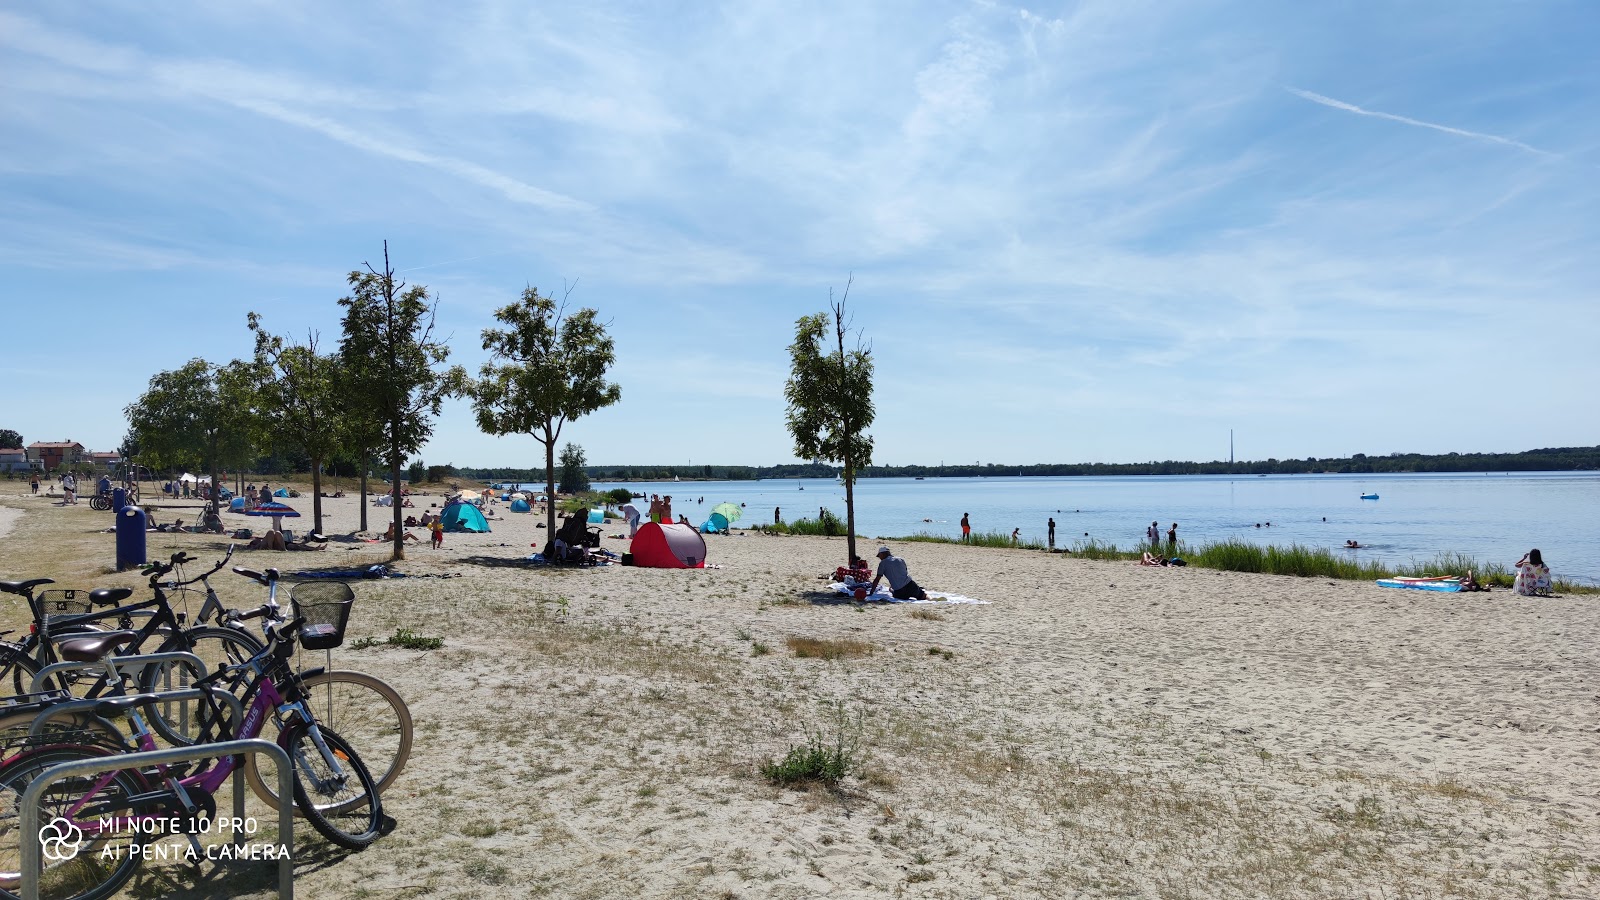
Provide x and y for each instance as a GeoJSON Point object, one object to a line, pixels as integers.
{"type": "Point", "coordinates": [1097, 729]}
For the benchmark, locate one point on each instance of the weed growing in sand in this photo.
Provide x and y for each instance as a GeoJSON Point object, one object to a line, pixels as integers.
{"type": "Point", "coordinates": [759, 649]}
{"type": "Point", "coordinates": [404, 638]}
{"type": "Point", "coordinates": [941, 652]}
{"type": "Point", "coordinates": [928, 614]}
{"type": "Point", "coordinates": [828, 648]}
{"type": "Point", "coordinates": [822, 759]}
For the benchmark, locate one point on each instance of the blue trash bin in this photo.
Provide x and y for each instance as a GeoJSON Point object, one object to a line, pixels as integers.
{"type": "Point", "coordinates": [119, 499]}
{"type": "Point", "coordinates": [130, 538]}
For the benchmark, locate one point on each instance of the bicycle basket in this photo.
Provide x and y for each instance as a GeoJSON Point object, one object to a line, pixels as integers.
{"type": "Point", "coordinates": [63, 603]}
{"type": "Point", "coordinates": [325, 606]}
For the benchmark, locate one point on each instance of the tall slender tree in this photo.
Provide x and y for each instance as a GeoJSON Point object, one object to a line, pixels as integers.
{"type": "Point", "coordinates": [392, 363]}
{"type": "Point", "coordinates": [301, 392]}
{"type": "Point", "coordinates": [829, 393]}
{"type": "Point", "coordinates": [546, 369]}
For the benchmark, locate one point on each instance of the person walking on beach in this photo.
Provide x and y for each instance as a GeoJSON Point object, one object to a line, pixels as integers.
{"type": "Point", "coordinates": [901, 587]}
{"type": "Point", "coordinates": [1016, 533]}
{"type": "Point", "coordinates": [1152, 535]}
{"type": "Point", "coordinates": [1172, 539]}
{"type": "Point", "coordinates": [777, 515]}
{"type": "Point", "coordinates": [69, 489]}
{"type": "Point", "coordinates": [966, 528]}
{"type": "Point", "coordinates": [36, 484]}
{"type": "Point", "coordinates": [1051, 533]}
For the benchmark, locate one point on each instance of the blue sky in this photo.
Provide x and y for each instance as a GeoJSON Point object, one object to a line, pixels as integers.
{"type": "Point", "coordinates": [1081, 231]}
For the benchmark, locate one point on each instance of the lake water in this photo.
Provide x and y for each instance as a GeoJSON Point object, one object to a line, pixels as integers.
{"type": "Point", "coordinates": [1495, 517]}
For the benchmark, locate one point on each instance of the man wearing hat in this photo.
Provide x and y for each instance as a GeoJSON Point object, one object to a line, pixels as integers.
{"type": "Point", "coordinates": [901, 587]}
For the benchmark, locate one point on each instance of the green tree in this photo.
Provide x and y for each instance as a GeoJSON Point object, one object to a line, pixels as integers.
{"type": "Point", "coordinates": [829, 393]}
{"type": "Point", "coordinates": [301, 393]}
{"type": "Point", "coordinates": [391, 360]}
{"type": "Point", "coordinates": [10, 440]}
{"type": "Point", "coordinates": [574, 479]}
{"type": "Point", "coordinates": [546, 369]}
{"type": "Point", "coordinates": [200, 416]}
{"type": "Point", "coordinates": [417, 472]}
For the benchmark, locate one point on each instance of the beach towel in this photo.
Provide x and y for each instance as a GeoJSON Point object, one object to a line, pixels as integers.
{"type": "Point", "coordinates": [1447, 586]}
{"type": "Point", "coordinates": [882, 594]}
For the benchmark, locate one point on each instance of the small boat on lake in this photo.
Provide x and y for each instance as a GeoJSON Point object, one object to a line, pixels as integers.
{"type": "Point", "coordinates": [1369, 496]}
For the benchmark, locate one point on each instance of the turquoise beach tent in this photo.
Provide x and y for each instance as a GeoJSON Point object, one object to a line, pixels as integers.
{"type": "Point", "coordinates": [519, 505]}
{"type": "Point", "coordinates": [236, 504]}
{"type": "Point", "coordinates": [463, 517]}
{"type": "Point", "coordinates": [281, 492]}
{"type": "Point", "coordinates": [717, 524]}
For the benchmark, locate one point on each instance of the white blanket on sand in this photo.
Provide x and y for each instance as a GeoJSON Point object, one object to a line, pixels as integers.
{"type": "Point", "coordinates": [882, 595]}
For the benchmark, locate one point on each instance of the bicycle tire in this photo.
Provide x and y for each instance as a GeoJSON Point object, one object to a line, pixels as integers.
{"type": "Point", "coordinates": [345, 809]}
{"type": "Point", "coordinates": [182, 722]}
{"type": "Point", "coordinates": [17, 667]}
{"type": "Point", "coordinates": [66, 879]}
{"type": "Point", "coordinates": [363, 708]}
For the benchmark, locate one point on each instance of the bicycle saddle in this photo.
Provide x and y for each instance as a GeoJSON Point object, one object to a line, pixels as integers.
{"type": "Point", "coordinates": [23, 587]}
{"type": "Point", "coordinates": [93, 649]}
{"type": "Point", "coordinates": [109, 596]}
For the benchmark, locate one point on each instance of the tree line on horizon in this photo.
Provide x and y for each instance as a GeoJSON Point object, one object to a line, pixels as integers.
{"type": "Point", "coordinates": [1554, 459]}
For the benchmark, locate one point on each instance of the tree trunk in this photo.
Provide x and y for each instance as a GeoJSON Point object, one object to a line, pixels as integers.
{"type": "Point", "coordinates": [316, 495]}
{"type": "Point", "coordinates": [366, 466]}
{"type": "Point", "coordinates": [550, 489]}
{"type": "Point", "coordinates": [399, 532]}
{"type": "Point", "coordinates": [850, 509]}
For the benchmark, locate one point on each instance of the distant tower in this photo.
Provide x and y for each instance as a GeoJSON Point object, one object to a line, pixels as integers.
{"type": "Point", "coordinates": [1230, 446]}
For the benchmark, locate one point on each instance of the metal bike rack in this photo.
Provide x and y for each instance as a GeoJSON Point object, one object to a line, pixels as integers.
{"type": "Point", "coordinates": [140, 660]}
{"type": "Point", "coordinates": [72, 706]}
{"type": "Point", "coordinates": [119, 661]}
{"type": "Point", "coordinates": [32, 852]}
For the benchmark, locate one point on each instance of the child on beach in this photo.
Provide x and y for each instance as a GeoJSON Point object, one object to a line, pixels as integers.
{"type": "Point", "coordinates": [437, 527]}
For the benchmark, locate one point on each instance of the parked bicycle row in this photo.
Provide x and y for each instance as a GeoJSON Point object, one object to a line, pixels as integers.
{"type": "Point", "coordinates": [98, 676]}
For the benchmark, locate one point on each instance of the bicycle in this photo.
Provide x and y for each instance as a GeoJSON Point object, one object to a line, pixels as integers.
{"type": "Point", "coordinates": [73, 612]}
{"type": "Point", "coordinates": [360, 706]}
{"type": "Point", "coordinates": [118, 808]}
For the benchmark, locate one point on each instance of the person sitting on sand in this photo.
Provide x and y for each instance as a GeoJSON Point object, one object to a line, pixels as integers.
{"type": "Point", "coordinates": [1533, 576]}
{"type": "Point", "coordinates": [1151, 559]}
{"type": "Point", "coordinates": [1469, 583]}
{"type": "Point", "coordinates": [406, 535]}
{"type": "Point", "coordinates": [272, 540]}
{"type": "Point", "coordinates": [901, 587]}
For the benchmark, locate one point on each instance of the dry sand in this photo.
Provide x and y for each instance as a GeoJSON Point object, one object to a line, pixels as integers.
{"type": "Point", "coordinates": [1099, 730]}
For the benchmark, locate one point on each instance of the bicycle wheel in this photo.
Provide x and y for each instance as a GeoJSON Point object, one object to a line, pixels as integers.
{"type": "Point", "coordinates": [182, 721]}
{"type": "Point", "coordinates": [85, 861]}
{"type": "Point", "coordinates": [74, 728]}
{"type": "Point", "coordinates": [17, 668]}
{"type": "Point", "coordinates": [366, 711]}
{"type": "Point", "coordinates": [335, 791]}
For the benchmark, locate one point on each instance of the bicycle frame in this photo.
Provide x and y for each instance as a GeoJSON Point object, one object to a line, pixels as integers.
{"type": "Point", "coordinates": [265, 701]}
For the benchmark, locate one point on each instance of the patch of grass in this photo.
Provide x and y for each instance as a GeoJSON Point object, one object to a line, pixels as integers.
{"type": "Point", "coordinates": [977, 539]}
{"type": "Point", "coordinates": [759, 649]}
{"type": "Point", "coordinates": [928, 614]}
{"type": "Point", "coordinates": [404, 638]}
{"type": "Point", "coordinates": [822, 759]}
{"type": "Point", "coordinates": [940, 651]}
{"type": "Point", "coordinates": [828, 648]}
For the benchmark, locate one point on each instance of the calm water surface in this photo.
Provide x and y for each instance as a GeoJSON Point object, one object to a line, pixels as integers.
{"type": "Point", "coordinates": [1495, 517]}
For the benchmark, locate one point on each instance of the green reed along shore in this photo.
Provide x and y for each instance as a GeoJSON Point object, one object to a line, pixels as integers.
{"type": "Point", "coordinates": [1239, 556]}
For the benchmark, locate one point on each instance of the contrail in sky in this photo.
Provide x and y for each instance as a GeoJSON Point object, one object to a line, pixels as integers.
{"type": "Point", "coordinates": [1350, 107]}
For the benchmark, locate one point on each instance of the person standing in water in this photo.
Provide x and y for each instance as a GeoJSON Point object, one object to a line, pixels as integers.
{"type": "Point", "coordinates": [966, 528]}
{"type": "Point", "coordinates": [1172, 539]}
{"type": "Point", "coordinates": [1051, 533]}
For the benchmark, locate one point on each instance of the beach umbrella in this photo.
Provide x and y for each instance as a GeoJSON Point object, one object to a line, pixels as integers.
{"type": "Point", "coordinates": [278, 512]}
{"type": "Point", "coordinates": [518, 496]}
{"type": "Point", "coordinates": [469, 496]}
{"type": "Point", "coordinates": [729, 511]}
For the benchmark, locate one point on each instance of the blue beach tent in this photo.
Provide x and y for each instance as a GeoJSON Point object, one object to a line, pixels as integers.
{"type": "Point", "coordinates": [519, 505]}
{"type": "Point", "coordinates": [717, 524]}
{"type": "Point", "coordinates": [463, 517]}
